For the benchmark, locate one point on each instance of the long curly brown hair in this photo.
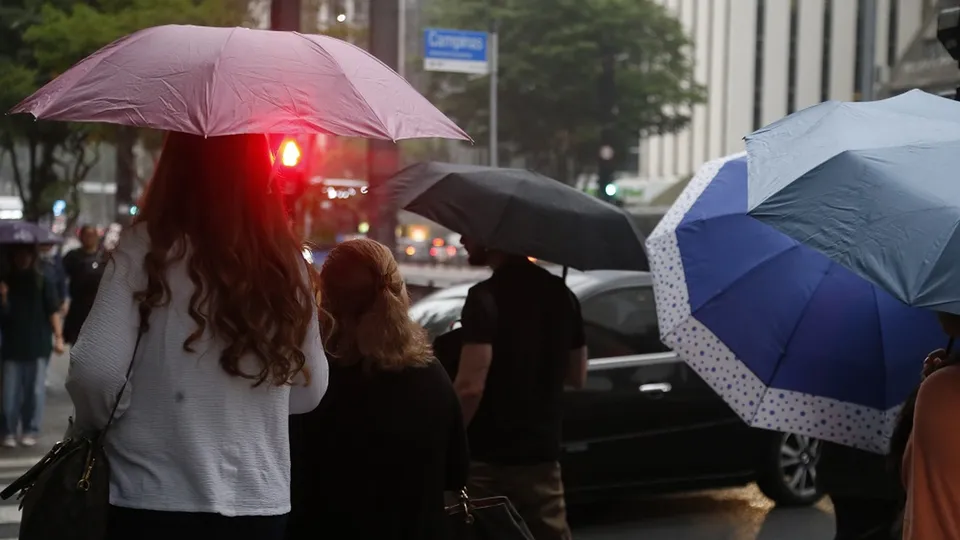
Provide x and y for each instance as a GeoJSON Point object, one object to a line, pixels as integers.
{"type": "Point", "coordinates": [211, 203]}
{"type": "Point", "coordinates": [364, 305]}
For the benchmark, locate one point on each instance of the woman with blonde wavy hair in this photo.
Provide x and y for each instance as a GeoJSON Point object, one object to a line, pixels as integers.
{"type": "Point", "coordinates": [207, 301]}
{"type": "Point", "coordinates": [374, 459]}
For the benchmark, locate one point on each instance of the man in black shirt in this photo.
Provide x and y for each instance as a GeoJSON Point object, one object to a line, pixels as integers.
{"type": "Point", "coordinates": [522, 343]}
{"type": "Point", "coordinates": [84, 266]}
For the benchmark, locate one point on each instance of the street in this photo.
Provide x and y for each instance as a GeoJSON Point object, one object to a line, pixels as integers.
{"type": "Point", "coordinates": [733, 514]}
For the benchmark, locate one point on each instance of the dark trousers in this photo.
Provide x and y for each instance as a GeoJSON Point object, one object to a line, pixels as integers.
{"type": "Point", "coordinates": [535, 490]}
{"type": "Point", "coordinates": [130, 524]}
{"type": "Point", "coordinates": [865, 519]}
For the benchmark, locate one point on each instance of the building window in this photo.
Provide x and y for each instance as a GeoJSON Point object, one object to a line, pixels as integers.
{"type": "Point", "coordinates": [758, 65]}
{"type": "Point", "coordinates": [825, 56]}
{"type": "Point", "coordinates": [792, 59]}
{"type": "Point", "coordinates": [893, 28]}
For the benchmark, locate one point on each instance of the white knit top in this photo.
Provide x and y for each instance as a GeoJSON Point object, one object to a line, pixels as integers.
{"type": "Point", "coordinates": [187, 436]}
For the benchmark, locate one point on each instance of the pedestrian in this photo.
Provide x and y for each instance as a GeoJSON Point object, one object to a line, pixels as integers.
{"type": "Point", "coordinates": [53, 262]}
{"type": "Point", "coordinates": [865, 492]}
{"type": "Point", "coordinates": [374, 459]}
{"type": "Point", "coordinates": [523, 341]}
{"type": "Point", "coordinates": [199, 446]}
{"type": "Point", "coordinates": [931, 458]}
{"type": "Point", "coordinates": [31, 327]}
{"type": "Point", "coordinates": [84, 267]}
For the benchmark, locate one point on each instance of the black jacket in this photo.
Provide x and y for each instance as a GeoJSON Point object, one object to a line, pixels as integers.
{"type": "Point", "coordinates": [374, 459]}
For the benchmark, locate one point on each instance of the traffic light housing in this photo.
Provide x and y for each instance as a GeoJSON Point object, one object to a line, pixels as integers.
{"type": "Point", "coordinates": [291, 157]}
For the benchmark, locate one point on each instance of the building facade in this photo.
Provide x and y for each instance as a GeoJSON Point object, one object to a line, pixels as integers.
{"type": "Point", "coordinates": [763, 59]}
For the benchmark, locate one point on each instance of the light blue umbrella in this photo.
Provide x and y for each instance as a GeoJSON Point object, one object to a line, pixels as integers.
{"type": "Point", "coordinates": [791, 340]}
{"type": "Point", "coordinates": [875, 186]}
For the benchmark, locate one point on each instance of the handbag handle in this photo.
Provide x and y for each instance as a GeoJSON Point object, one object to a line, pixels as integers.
{"type": "Point", "coordinates": [465, 505]}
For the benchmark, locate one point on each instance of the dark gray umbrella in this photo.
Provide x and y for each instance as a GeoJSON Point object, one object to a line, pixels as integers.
{"type": "Point", "coordinates": [24, 232]}
{"type": "Point", "coordinates": [522, 212]}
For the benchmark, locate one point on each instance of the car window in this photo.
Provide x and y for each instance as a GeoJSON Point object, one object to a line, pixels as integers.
{"type": "Point", "coordinates": [437, 316]}
{"type": "Point", "coordinates": [622, 322]}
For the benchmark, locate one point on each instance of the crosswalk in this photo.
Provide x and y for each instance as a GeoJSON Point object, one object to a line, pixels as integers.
{"type": "Point", "coordinates": [10, 470]}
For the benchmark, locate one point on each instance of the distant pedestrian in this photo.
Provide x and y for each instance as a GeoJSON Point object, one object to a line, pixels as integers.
{"type": "Point", "coordinates": [214, 276]}
{"type": "Point", "coordinates": [53, 262]}
{"type": "Point", "coordinates": [84, 267]}
{"type": "Point", "coordinates": [374, 459]}
{"type": "Point", "coordinates": [31, 326]}
{"type": "Point", "coordinates": [523, 342]}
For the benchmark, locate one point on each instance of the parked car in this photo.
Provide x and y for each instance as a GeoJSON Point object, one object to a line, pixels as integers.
{"type": "Point", "coordinates": [645, 421]}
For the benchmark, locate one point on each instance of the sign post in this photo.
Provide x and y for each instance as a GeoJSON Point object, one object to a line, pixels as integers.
{"type": "Point", "coordinates": [494, 112]}
{"type": "Point", "coordinates": [466, 51]}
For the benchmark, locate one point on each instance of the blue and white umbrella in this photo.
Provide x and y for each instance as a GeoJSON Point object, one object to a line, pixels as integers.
{"type": "Point", "coordinates": [791, 340]}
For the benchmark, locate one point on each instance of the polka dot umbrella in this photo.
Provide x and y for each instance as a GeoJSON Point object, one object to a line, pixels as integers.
{"type": "Point", "coordinates": [792, 341]}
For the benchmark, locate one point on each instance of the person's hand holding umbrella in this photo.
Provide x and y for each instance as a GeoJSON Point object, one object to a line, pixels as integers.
{"type": "Point", "coordinates": [934, 361]}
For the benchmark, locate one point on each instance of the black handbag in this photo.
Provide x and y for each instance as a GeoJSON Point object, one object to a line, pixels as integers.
{"type": "Point", "coordinates": [66, 495]}
{"type": "Point", "coordinates": [490, 518]}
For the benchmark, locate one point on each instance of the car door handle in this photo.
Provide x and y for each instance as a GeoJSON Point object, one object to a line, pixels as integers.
{"type": "Point", "coordinates": [656, 389]}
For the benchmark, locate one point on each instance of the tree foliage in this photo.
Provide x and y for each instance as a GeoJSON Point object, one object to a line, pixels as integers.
{"type": "Point", "coordinates": [40, 40]}
{"type": "Point", "coordinates": [550, 66]}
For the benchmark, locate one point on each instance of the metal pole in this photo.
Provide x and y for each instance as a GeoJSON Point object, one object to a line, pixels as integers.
{"type": "Point", "coordinates": [868, 49]}
{"type": "Point", "coordinates": [285, 15]}
{"type": "Point", "coordinates": [494, 69]}
{"type": "Point", "coordinates": [607, 93]}
{"type": "Point", "coordinates": [383, 157]}
{"type": "Point", "coordinates": [402, 38]}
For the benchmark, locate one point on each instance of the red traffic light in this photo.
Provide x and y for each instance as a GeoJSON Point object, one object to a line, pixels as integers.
{"type": "Point", "coordinates": [290, 153]}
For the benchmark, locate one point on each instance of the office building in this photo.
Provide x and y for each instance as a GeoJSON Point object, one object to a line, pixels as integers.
{"type": "Point", "coordinates": [763, 59]}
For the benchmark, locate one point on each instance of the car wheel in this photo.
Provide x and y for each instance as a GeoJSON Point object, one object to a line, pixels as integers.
{"type": "Point", "coordinates": [788, 473]}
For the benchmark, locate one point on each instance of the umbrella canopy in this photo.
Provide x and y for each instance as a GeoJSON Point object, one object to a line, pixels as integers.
{"type": "Point", "coordinates": [871, 185]}
{"type": "Point", "coordinates": [522, 212]}
{"type": "Point", "coordinates": [791, 340]}
{"type": "Point", "coordinates": [227, 81]}
{"type": "Point", "coordinates": [24, 232]}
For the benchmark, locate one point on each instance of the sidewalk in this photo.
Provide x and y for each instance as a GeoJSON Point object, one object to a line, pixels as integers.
{"type": "Point", "coordinates": [55, 415]}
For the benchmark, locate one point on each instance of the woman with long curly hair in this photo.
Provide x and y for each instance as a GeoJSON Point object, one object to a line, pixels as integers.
{"type": "Point", "coordinates": [374, 459]}
{"type": "Point", "coordinates": [208, 301]}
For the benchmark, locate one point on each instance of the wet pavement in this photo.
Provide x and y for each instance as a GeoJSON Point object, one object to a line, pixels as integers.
{"type": "Point", "coordinates": [734, 514]}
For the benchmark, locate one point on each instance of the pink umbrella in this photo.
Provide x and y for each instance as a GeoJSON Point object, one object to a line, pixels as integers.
{"type": "Point", "coordinates": [226, 81]}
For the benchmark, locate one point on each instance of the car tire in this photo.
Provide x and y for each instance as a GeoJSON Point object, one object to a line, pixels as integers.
{"type": "Point", "coordinates": [788, 470]}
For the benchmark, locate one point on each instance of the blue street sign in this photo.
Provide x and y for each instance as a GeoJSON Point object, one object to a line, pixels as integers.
{"type": "Point", "coordinates": [455, 51]}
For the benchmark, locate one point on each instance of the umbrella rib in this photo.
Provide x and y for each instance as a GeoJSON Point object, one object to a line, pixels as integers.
{"type": "Point", "coordinates": [886, 376]}
{"type": "Point", "coordinates": [213, 82]}
{"type": "Point", "coordinates": [930, 267]}
{"type": "Point", "coordinates": [383, 127]}
{"type": "Point", "coordinates": [793, 333]}
{"type": "Point", "coordinates": [748, 273]}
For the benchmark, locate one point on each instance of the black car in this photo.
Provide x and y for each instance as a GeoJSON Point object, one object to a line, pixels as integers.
{"type": "Point", "coordinates": [644, 420]}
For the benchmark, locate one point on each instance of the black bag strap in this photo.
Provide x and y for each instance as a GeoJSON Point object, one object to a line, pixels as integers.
{"type": "Point", "coordinates": [140, 332]}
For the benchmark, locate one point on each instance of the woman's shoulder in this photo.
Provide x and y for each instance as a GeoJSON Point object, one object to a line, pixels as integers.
{"type": "Point", "coordinates": [941, 386]}
{"type": "Point", "coordinates": [133, 244]}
